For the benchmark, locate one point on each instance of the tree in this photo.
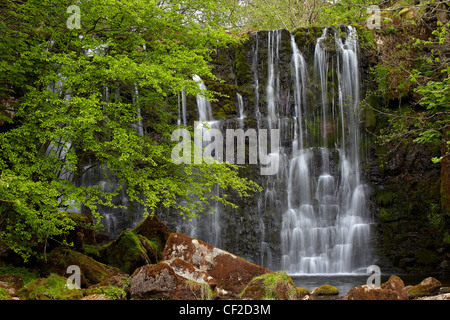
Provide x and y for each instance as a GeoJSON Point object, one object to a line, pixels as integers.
{"type": "Point", "coordinates": [68, 95]}
{"type": "Point", "coordinates": [292, 14]}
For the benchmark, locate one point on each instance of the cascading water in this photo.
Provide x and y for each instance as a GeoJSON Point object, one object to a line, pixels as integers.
{"type": "Point", "coordinates": [326, 228]}
{"type": "Point", "coordinates": [206, 227]}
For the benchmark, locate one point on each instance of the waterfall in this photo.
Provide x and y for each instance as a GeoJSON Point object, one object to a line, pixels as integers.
{"type": "Point", "coordinates": [326, 228]}
{"type": "Point", "coordinates": [207, 227]}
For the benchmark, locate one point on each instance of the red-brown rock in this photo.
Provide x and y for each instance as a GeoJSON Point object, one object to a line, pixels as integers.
{"type": "Point", "coordinates": [232, 273]}
{"type": "Point", "coordinates": [160, 281]}
{"type": "Point", "coordinates": [397, 285]}
{"type": "Point", "coordinates": [371, 292]}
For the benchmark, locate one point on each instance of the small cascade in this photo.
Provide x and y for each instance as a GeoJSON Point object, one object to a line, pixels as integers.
{"type": "Point", "coordinates": [207, 227]}
{"type": "Point", "coordinates": [139, 126]}
{"type": "Point", "coordinates": [272, 89]}
{"type": "Point", "coordinates": [182, 116]}
{"type": "Point", "coordinates": [240, 105]}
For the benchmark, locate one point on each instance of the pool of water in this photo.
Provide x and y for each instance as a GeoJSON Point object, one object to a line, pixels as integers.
{"type": "Point", "coordinates": [344, 282]}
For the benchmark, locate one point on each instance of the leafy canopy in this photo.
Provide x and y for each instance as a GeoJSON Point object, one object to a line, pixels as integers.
{"type": "Point", "coordinates": [68, 104]}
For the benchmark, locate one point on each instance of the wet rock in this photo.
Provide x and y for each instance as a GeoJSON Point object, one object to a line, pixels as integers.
{"type": "Point", "coordinates": [232, 273]}
{"type": "Point", "coordinates": [160, 281]}
{"type": "Point", "coordinates": [428, 287]}
{"type": "Point", "coordinates": [445, 296]}
{"type": "Point", "coordinates": [325, 290]}
{"type": "Point", "coordinates": [444, 290]}
{"type": "Point", "coordinates": [273, 286]}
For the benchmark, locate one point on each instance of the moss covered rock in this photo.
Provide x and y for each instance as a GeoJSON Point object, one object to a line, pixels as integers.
{"type": "Point", "coordinates": [130, 251]}
{"type": "Point", "coordinates": [154, 230]}
{"type": "Point", "coordinates": [110, 292]}
{"type": "Point", "coordinates": [92, 271]}
{"type": "Point", "coordinates": [51, 288]}
{"type": "Point", "coordinates": [428, 287]}
{"type": "Point", "coordinates": [325, 290]}
{"type": "Point", "coordinates": [272, 286]}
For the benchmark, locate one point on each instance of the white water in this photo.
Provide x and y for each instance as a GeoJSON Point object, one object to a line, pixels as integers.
{"type": "Point", "coordinates": [206, 227]}
{"type": "Point", "coordinates": [326, 228]}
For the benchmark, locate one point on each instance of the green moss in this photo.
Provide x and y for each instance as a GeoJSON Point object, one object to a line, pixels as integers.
{"type": "Point", "coordinates": [23, 272]}
{"type": "Point", "coordinates": [241, 65]}
{"type": "Point", "coordinates": [92, 251]}
{"type": "Point", "coordinates": [4, 295]}
{"type": "Point", "coordinates": [127, 252]}
{"type": "Point", "coordinates": [51, 288]}
{"type": "Point", "coordinates": [271, 286]}
{"type": "Point", "coordinates": [206, 293]}
{"type": "Point", "coordinates": [112, 292]}
{"type": "Point", "coordinates": [385, 199]}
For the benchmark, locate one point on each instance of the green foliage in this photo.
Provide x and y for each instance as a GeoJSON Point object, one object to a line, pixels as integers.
{"type": "Point", "coordinates": [71, 95]}
{"type": "Point", "coordinates": [291, 14]}
{"type": "Point", "coordinates": [112, 292]}
{"type": "Point", "coordinates": [23, 272]}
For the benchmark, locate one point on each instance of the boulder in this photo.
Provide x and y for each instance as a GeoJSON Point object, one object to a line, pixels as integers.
{"type": "Point", "coordinates": [370, 292]}
{"type": "Point", "coordinates": [325, 290]}
{"type": "Point", "coordinates": [393, 289]}
{"type": "Point", "coordinates": [9, 291]}
{"type": "Point", "coordinates": [130, 251]}
{"type": "Point", "coordinates": [154, 230]}
{"type": "Point", "coordinates": [231, 273]}
{"type": "Point", "coordinates": [161, 281]}
{"type": "Point", "coordinates": [92, 271]}
{"type": "Point", "coordinates": [12, 280]}
{"type": "Point", "coordinates": [397, 285]}
{"type": "Point", "coordinates": [273, 286]}
{"type": "Point", "coordinates": [428, 287]}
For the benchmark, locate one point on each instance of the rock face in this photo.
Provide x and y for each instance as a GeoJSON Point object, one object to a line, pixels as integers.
{"type": "Point", "coordinates": [161, 281]}
{"type": "Point", "coordinates": [232, 273]}
{"type": "Point", "coordinates": [393, 289]}
{"type": "Point", "coordinates": [428, 287]}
